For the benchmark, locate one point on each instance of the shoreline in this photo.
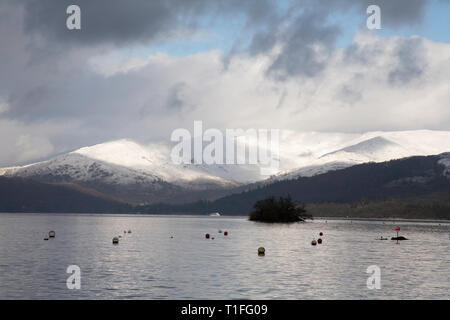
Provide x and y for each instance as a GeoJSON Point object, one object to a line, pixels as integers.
{"type": "Point", "coordinates": [187, 215]}
{"type": "Point", "coordinates": [384, 219]}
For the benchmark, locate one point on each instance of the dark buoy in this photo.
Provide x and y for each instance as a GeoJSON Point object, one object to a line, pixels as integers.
{"type": "Point", "coordinates": [261, 251]}
{"type": "Point", "coordinates": [321, 234]}
{"type": "Point", "coordinates": [115, 240]}
{"type": "Point", "coordinates": [129, 231]}
{"type": "Point", "coordinates": [225, 233]}
{"type": "Point", "coordinates": [319, 241]}
{"type": "Point", "coordinates": [46, 239]}
{"type": "Point", "coordinates": [220, 231]}
{"type": "Point", "coordinates": [313, 242]}
{"type": "Point", "coordinates": [51, 234]}
{"type": "Point", "coordinates": [207, 236]}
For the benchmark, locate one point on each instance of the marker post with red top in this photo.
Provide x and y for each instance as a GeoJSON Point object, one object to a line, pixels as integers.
{"type": "Point", "coordinates": [397, 230]}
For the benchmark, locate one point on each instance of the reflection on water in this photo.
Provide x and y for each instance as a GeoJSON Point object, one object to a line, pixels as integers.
{"type": "Point", "coordinates": [149, 264]}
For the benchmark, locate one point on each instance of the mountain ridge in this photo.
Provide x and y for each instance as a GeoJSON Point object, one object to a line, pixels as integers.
{"type": "Point", "coordinates": [412, 180]}
{"type": "Point", "coordinates": [145, 174]}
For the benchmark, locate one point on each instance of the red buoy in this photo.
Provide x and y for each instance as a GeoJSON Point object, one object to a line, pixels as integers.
{"type": "Point", "coordinates": [319, 241]}
{"type": "Point", "coordinates": [321, 234]}
{"type": "Point", "coordinates": [225, 233]}
{"type": "Point", "coordinates": [207, 236]}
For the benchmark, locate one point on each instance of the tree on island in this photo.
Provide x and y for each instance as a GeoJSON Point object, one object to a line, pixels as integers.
{"type": "Point", "coordinates": [278, 210]}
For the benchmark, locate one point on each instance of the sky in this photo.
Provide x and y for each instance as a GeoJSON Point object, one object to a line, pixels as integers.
{"type": "Point", "coordinates": [140, 69]}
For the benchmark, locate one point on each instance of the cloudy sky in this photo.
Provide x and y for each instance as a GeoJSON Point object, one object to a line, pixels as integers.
{"type": "Point", "coordinates": [140, 69]}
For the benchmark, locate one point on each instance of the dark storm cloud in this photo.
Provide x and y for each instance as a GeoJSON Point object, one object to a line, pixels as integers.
{"type": "Point", "coordinates": [113, 21]}
{"type": "Point", "coordinates": [307, 38]}
{"type": "Point", "coordinates": [306, 47]}
{"type": "Point", "coordinates": [129, 21]}
{"type": "Point", "coordinates": [300, 26]}
{"type": "Point", "coordinates": [396, 13]}
{"type": "Point", "coordinates": [126, 22]}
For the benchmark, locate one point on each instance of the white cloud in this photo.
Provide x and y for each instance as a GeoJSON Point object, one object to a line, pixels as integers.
{"type": "Point", "coordinates": [87, 96]}
{"type": "Point", "coordinates": [4, 106]}
{"type": "Point", "coordinates": [354, 92]}
{"type": "Point", "coordinates": [20, 143]}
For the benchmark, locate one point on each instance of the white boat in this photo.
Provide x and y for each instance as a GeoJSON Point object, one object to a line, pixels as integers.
{"type": "Point", "coordinates": [215, 214]}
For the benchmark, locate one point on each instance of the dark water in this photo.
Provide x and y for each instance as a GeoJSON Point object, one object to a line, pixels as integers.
{"type": "Point", "coordinates": [149, 264]}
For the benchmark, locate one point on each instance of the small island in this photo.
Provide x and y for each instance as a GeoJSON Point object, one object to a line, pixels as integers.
{"type": "Point", "coordinates": [282, 210]}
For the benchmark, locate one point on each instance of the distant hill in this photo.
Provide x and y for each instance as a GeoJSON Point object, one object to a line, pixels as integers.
{"type": "Point", "coordinates": [415, 187]}
{"type": "Point", "coordinates": [145, 173]}
{"type": "Point", "coordinates": [397, 180]}
{"type": "Point", "coordinates": [26, 195]}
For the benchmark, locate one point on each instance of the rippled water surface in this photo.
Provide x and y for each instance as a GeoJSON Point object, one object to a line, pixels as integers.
{"type": "Point", "coordinates": [149, 264]}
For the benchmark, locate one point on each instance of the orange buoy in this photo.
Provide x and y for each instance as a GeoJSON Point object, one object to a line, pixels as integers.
{"type": "Point", "coordinates": [225, 233]}
{"type": "Point", "coordinates": [207, 236]}
{"type": "Point", "coordinates": [319, 241]}
{"type": "Point", "coordinates": [321, 234]}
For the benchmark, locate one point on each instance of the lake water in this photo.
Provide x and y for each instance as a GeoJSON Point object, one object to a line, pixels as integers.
{"type": "Point", "coordinates": [149, 264]}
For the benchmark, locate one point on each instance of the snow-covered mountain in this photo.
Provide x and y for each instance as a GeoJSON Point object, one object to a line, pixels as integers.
{"type": "Point", "coordinates": [369, 147]}
{"type": "Point", "coordinates": [117, 162]}
{"type": "Point", "coordinates": [145, 173]}
{"type": "Point", "coordinates": [126, 170]}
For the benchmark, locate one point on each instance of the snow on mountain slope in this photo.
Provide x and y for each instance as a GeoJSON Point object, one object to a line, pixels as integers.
{"type": "Point", "coordinates": [76, 167]}
{"type": "Point", "coordinates": [125, 162]}
{"type": "Point", "coordinates": [119, 162]}
{"type": "Point", "coordinates": [371, 147]}
{"type": "Point", "coordinates": [152, 159]}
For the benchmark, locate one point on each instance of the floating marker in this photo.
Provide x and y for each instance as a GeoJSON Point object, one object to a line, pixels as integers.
{"type": "Point", "coordinates": [207, 236]}
{"type": "Point", "coordinates": [225, 233]}
{"type": "Point", "coordinates": [261, 251]}
{"type": "Point", "coordinates": [220, 231]}
{"type": "Point", "coordinates": [313, 242]}
{"type": "Point", "coordinates": [115, 240]}
{"type": "Point", "coordinates": [129, 231]}
{"type": "Point", "coordinates": [45, 238]}
{"type": "Point", "coordinates": [51, 234]}
{"type": "Point", "coordinates": [319, 241]}
{"type": "Point", "coordinates": [321, 234]}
